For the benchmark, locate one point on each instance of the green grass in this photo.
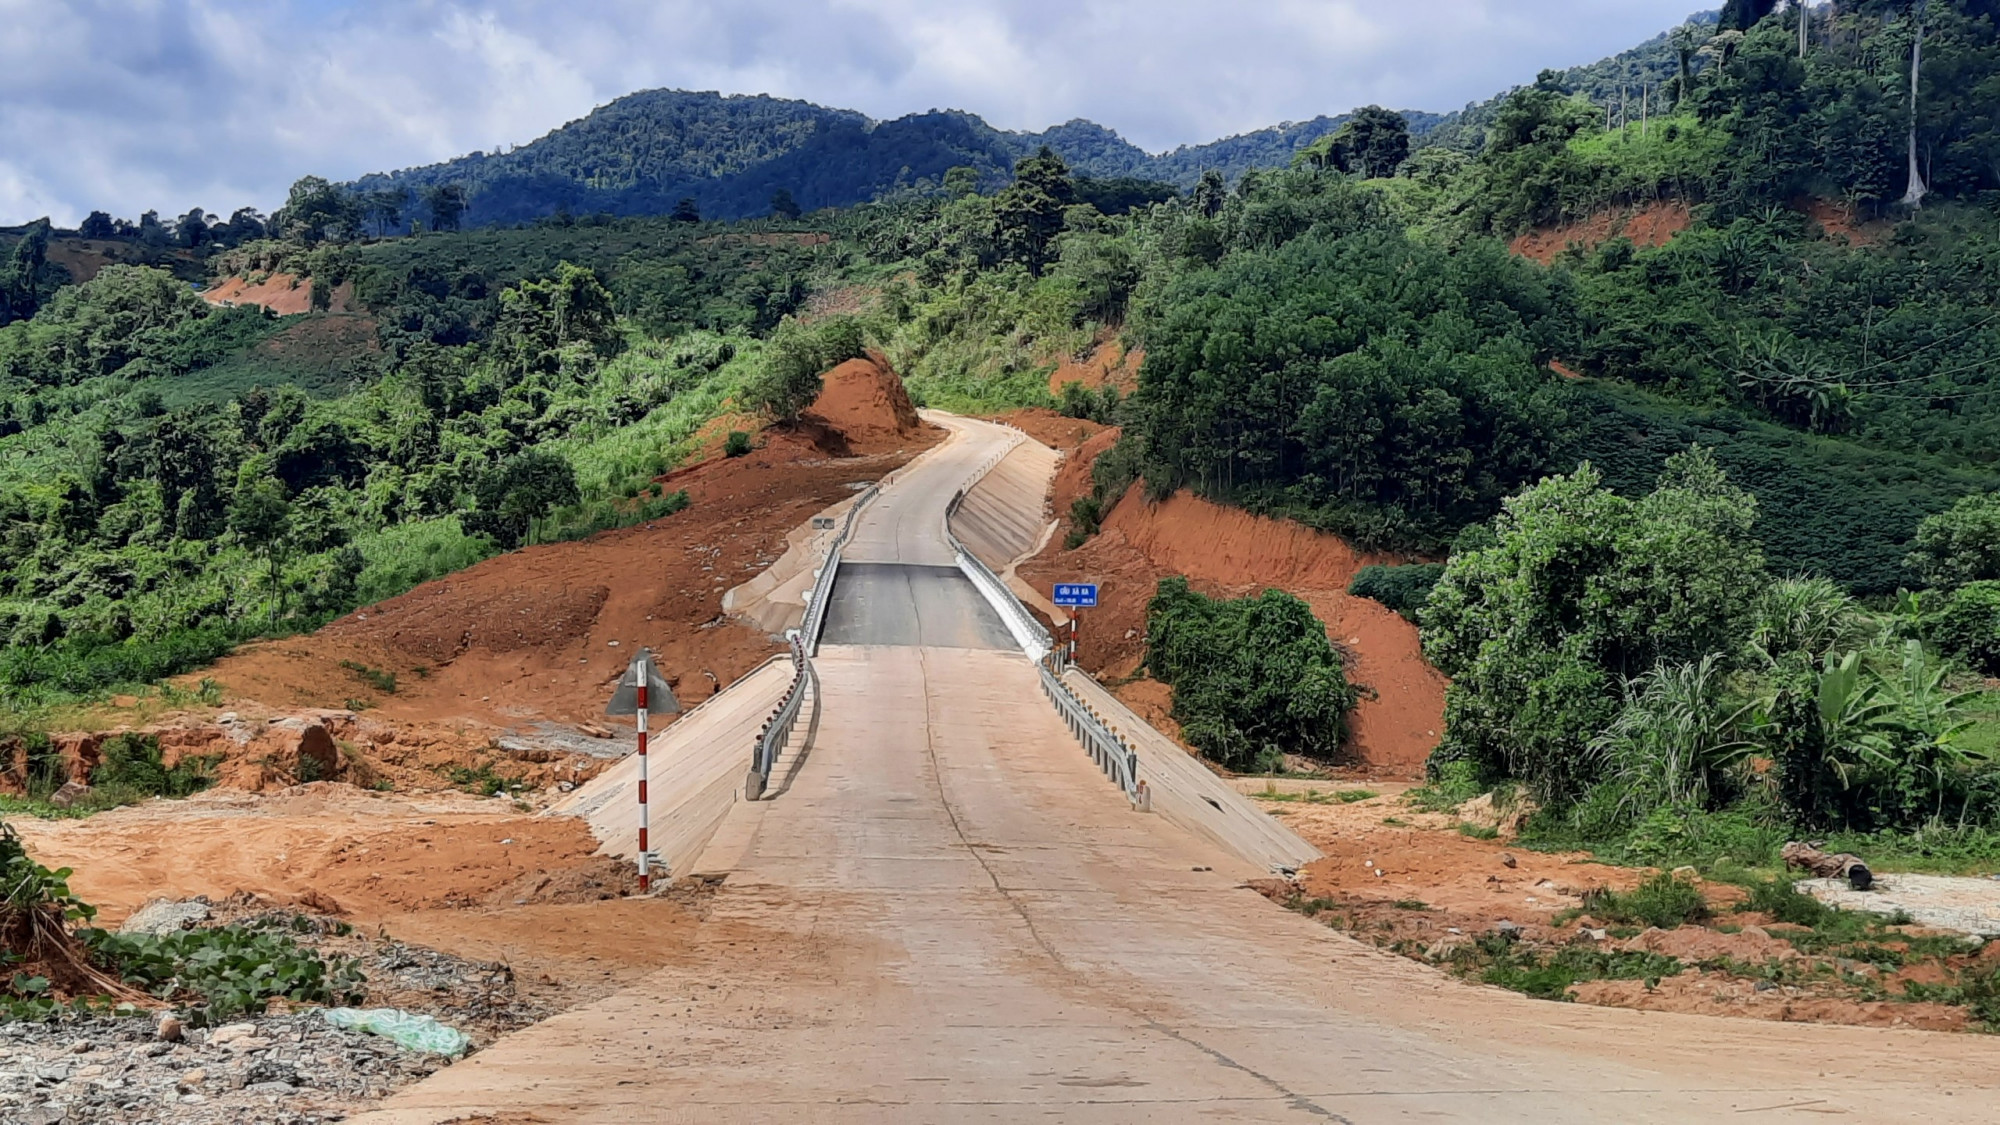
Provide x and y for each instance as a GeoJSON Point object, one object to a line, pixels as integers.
{"type": "Point", "coordinates": [405, 556]}
{"type": "Point", "coordinates": [1498, 960]}
{"type": "Point", "coordinates": [1662, 901]}
{"type": "Point", "coordinates": [377, 678]}
{"type": "Point", "coordinates": [1317, 796]}
{"type": "Point", "coordinates": [1478, 831]}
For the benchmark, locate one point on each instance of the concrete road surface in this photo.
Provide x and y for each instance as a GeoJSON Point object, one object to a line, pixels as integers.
{"type": "Point", "coordinates": [901, 604]}
{"type": "Point", "coordinates": [952, 916]}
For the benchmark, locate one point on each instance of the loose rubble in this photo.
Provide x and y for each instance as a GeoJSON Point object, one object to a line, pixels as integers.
{"type": "Point", "coordinates": [286, 1067]}
{"type": "Point", "coordinates": [292, 1069]}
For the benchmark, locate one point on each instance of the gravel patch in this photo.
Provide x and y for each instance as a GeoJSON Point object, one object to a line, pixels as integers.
{"type": "Point", "coordinates": [293, 1069]}
{"type": "Point", "coordinates": [1946, 902]}
{"type": "Point", "coordinates": [284, 1067]}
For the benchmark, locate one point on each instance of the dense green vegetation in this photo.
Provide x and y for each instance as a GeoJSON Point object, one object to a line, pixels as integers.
{"type": "Point", "coordinates": [1684, 561]}
{"type": "Point", "coordinates": [1254, 678]}
{"type": "Point", "coordinates": [741, 157]}
{"type": "Point", "coordinates": [151, 516]}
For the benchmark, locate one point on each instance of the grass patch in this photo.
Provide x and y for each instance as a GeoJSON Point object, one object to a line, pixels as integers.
{"type": "Point", "coordinates": [1662, 901]}
{"type": "Point", "coordinates": [1478, 831]}
{"type": "Point", "coordinates": [231, 971]}
{"type": "Point", "coordinates": [1316, 796]}
{"type": "Point", "coordinates": [481, 780]}
{"type": "Point", "coordinates": [377, 678]}
{"type": "Point", "coordinates": [1498, 960]}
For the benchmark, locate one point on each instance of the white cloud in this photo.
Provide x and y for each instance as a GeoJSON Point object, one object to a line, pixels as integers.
{"type": "Point", "coordinates": [168, 104]}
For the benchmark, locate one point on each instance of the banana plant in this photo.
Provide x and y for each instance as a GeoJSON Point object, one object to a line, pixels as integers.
{"type": "Point", "coordinates": [1855, 716]}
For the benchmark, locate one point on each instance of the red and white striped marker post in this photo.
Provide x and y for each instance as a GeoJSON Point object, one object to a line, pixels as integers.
{"type": "Point", "coordinates": [645, 816]}
{"type": "Point", "coordinates": [641, 692]}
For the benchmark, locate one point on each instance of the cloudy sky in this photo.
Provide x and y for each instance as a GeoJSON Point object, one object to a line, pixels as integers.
{"type": "Point", "coordinates": [127, 105]}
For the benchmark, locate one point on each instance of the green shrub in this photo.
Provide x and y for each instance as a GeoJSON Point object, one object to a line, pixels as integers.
{"type": "Point", "coordinates": [1401, 588]}
{"type": "Point", "coordinates": [132, 761]}
{"type": "Point", "coordinates": [233, 970]}
{"type": "Point", "coordinates": [736, 444]}
{"type": "Point", "coordinates": [1254, 679]}
{"type": "Point", "coordinates": [377, 678]}
{"type": "Point", "coordinates": [1662, 901]}
{"type": "Point", "coordinates": [1776, 898]}
{"type": "Point", "coordinates": [662, 506]}
{"type": "Point", "coordinates": [1968, 626]}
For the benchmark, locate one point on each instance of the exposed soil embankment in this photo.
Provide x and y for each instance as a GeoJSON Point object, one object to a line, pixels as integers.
{"type": "Point", "coordinates": [1107, 363]}
{"type": "Point", "coordinates": [541, 633]}
{"type": "Point", "coordinates": [866, 402]}
{"type": "Point", "coordinates": [282, 293]}
{"type": "Point", "coordinates": [1229, 552]}
{"type": "Point", "coordinates": [1655, 224]}
{"type": "Point", "coordinates": [331, 848]}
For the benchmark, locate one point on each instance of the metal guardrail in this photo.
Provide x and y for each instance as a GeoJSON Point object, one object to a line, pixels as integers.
{"type": "Point", "coordinates": [1119, 761]}
{"type": "Point", "coordinates": [1111, 753]}
{"type": "Point", "coordinates": [804, 644]}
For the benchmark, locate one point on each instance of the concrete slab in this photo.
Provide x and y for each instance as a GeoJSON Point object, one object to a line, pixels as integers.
{"type": "Point", "coordinates": [901, 604]}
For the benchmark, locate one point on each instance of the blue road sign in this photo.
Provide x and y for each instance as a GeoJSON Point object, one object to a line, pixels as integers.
{"type": "Point", "coordinates": [1082, 595]}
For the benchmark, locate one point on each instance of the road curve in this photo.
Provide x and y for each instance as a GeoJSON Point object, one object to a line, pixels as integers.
{"type": "Point", "coordinates": [951, 916]}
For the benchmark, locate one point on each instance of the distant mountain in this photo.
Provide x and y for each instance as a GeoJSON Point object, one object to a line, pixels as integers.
{"type": "Point", "coordinates": [643, 153]}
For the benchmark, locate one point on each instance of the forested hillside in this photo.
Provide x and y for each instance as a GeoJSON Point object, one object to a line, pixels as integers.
{"type": "Point", "coordinates": [1755, 515]}
{"type": "Point", "coordinates": [731, 156]}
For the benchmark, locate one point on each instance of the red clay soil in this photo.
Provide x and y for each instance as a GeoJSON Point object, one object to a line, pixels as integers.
{"type": "Point", "coordinates": [1228, 552]}
{"type": "Point", "coordinates": [1838, 224]}
{"type": "Point", "coordinates": [866, 402]}
{"type": "Point", "coordinates": [541, 633]}
{"type": "Point", "coordinates": [1108, 362]}
{"type": "Point", "coordinates": [1409, 881]}
{"type": "Point", "coordinates": [283, 293]}
{"type": "Point", "coordinates": [1655, 224]}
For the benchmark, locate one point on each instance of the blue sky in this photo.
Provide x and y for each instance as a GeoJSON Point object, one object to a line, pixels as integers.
{"type": "Point", "coordinates": [128, 105]}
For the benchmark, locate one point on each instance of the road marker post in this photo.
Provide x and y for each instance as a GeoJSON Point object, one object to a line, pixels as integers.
{"type": "Point", "coordinates": [1075, 596]}
{"type": "Point", "coordinates": [640, 693]}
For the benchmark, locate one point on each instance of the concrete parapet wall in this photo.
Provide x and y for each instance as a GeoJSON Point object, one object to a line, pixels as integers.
{"type": "Point", "coordinates": [1189, 794]}
{"type": "Point", "coordinates": [697, 770]}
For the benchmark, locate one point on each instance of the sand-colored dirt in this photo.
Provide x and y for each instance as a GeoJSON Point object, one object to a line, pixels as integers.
{"type": "Point", "coordinates": [1108, 362]}
{"type": "Point", "coordinates": [329, 848]}
{"type": "Point", "coordinates": [1654, 224]}
{"type": "Point", "coordinates": [283, 293]}
{"type": "Point", "coordinates": [1226, 551]}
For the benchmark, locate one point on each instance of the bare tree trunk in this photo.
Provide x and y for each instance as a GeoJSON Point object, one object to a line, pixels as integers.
{"type": "Point", "coordinates": [1915, 196]}
{"type": "Point", "coordinates": [1805, 21]}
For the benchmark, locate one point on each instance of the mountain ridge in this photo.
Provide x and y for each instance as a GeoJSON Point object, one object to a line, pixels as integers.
{"type": "Point", "coordinates": [645, 151]}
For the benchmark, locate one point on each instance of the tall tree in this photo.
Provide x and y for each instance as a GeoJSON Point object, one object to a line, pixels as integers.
{"type": "Point", "coordinates": [1210, 193]}
{"type": "Point", "coordinates": [1029, 211]}
{"type": "Point", "coordinates": [783, 206]}
{"type": "Point", "coordinates": [685, 211]}
{"type": "Point", "coordinates": [21, 281]}
{"type": "Point", "coordinates": [316, 210]}
{"type": "Point", "coordinates": [1914, 197]}
{"type": "Point", "coordinates": [446, 203]}
{"type": "Point", "coordinates": [97, 224]}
